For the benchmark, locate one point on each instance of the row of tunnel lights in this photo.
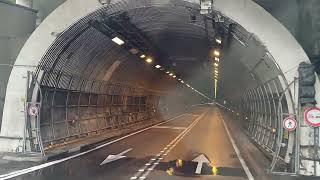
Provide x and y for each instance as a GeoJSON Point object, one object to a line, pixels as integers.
{"type": "Point", "coordinates": [149, 60]}
{"type": "Point", "coordinates": [216, 54]}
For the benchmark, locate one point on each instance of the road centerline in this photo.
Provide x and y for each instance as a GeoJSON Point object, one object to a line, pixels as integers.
{"type": "Point", "coordinates": [160, 156]}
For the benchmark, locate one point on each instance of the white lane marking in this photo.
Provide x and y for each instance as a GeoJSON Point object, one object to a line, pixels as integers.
{"type": "Point", "coordinates": [174, 142]}
{"type": "Point", "coordinates": [200, 160]}
{"type": "Point", "coordinates": [44, 165]}
{"type": "Point", "coordinates": [112, 158]}
{"type": "Point", "coordinates": [243, 163]}
{"type": "Point", "coordinates": [169, 127]}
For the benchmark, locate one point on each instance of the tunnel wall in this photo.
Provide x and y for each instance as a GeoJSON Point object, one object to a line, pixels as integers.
{"type": "Point", "coordinates": [66, 115]}
{"type": "Point", "coordinates": [263, 108]}
{"type": "Point", "coordinates": [281, 45]}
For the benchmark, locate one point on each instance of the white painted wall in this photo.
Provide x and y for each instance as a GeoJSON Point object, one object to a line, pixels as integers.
{"type": "Point", "coordinates": [17, 23]}
{"type": "Point", "coordinates": [30, 54]}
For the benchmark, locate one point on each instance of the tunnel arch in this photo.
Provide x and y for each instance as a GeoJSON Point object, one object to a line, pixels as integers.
{"type": "Point", "coordinates": [45, 45]}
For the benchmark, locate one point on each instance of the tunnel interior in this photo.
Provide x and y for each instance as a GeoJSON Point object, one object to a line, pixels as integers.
{"type": "Point", "coordinates": [92, 85]}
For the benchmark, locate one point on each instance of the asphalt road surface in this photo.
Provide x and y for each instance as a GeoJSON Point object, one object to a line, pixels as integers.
{"type": "Point", "coordinates": [162, 152]}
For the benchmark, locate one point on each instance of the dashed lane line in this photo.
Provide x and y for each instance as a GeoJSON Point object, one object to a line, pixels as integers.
{"type": "Point", "coordinates": [170, 127]}
{"type": "Point", "coordinates": [150, 166]}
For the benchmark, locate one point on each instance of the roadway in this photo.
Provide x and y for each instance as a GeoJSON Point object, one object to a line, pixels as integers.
{"type": "Point", "coordinates": [150, 153]}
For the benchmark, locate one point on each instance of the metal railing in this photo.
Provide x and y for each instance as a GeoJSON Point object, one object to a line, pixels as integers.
{"type": "Point", "coordinates": [266, 106]}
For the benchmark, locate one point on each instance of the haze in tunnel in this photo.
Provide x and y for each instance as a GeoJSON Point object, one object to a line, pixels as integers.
{"type": "Point", "coordinates": [105, 67]}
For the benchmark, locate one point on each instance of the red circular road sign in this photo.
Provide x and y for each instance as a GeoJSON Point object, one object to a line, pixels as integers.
{"type": "Point", "coordinates": [289, 124]}
{"type": "Point", "coordinates": [312, 116]}
{"type": "Point", "coordinates": [33, 110]}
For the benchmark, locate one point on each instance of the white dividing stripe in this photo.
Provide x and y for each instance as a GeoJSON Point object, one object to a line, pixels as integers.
{"type": "Point", "coordinates": [41, 166]}
{"type": "Point", "coordinates": [170, 127]}
{"type": "Point", "coordinates": [175, 141]}
{"type": "Point", "coordinates": [243, 163]}
{"type": "Point", "coordinates": [139, 173]}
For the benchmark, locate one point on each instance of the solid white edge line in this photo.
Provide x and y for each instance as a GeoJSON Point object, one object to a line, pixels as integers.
{"type": "Point", "coordinates": [235, 147]}
{"type": "Point", "coordinates": [41, 166]}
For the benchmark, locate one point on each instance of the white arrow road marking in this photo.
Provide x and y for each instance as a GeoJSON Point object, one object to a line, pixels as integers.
{"type": "Point", "coordinates": [111, 158]}
{"type": "Point", "coordinates": [200, 160]}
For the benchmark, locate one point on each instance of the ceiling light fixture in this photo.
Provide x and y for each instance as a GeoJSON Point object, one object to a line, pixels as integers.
{"type": "Point", "coordinates": [118, 41]}
{"type": "Point", "coordinates": [142, 56]}
{"type": "Point", "coordinates": [216, 52]}
{"type": "Point", "coordinates": [157, 66]}
{"type": "Point", "coordinates": [218, 40]}
{"type": "Point", "coordinates": [149, 60]}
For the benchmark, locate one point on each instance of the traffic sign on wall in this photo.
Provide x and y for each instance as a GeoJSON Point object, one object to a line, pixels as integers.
{"type": "Point", "coordinates": [33, 110]}
{"type": "Point", "coordinates": [290, 123]}
{"type": "Point", "coordinates": [312, 116]}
